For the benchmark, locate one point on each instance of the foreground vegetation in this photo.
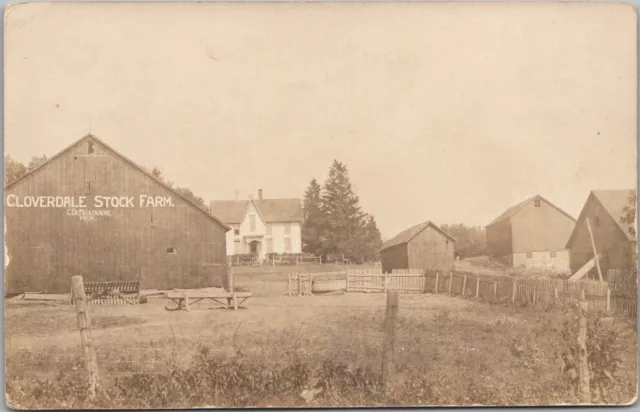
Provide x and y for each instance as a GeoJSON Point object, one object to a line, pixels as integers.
{"type": "Point", "coordinates": [315, 351]}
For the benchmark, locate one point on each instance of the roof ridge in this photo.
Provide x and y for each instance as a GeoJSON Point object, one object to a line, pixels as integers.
{"type": "Point", "coordinates": [127, 160]}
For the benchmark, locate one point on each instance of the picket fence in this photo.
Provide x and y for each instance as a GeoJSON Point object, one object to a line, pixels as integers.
{"type": "Point", "coordinates": [524, 291]}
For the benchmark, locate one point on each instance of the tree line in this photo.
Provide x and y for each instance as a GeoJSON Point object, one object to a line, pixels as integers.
{"type": "Point", "coordinates": [334, 223]}
{"type": "Point", "coordinates": [471, 241]}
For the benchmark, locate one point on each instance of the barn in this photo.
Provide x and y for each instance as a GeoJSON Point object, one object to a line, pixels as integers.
{"type": "Point", "coordinates": [423, 246]}
{"type": "Point", "coordinates": [531, 234]}
{"type": "Point", "coordinates": [90, 211]}
{"type": "Point", "coordinates": [615, 239]}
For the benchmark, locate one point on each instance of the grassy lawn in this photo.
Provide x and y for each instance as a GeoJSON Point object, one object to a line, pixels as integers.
{"type": "Point", "coordinates": [448, 351]}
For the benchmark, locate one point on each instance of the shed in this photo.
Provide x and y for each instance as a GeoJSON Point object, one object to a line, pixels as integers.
{"type": "Point", "coordinates": [615, 238]}
{"type": "Point", "coordinates": [532, 234]}
{"type": "Point", "coordinates": [423, 246]}
{"type": "Point", "coordinates": [90, 211]}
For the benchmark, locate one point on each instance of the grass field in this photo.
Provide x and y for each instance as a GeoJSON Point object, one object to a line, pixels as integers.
{"type": "Point", "coordinates": [449, 351]}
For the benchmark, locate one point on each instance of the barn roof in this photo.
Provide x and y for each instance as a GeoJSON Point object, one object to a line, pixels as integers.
{"type": "Point", "coordinates": [614, 202]}
{"type": "Point", "coordinates": [271, 210]}
{"type": "Point", "coordinates": [406, 235]}
{"type": "Point", "coordinates": [513, 210]}
{"type": "Point", "coordinates": [130, 162]}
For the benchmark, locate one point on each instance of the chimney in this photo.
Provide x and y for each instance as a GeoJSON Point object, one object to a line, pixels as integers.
{"type": "Point", "coordinates": [259, 194]}
{"type": "Point", "coordinates": [237, 194]}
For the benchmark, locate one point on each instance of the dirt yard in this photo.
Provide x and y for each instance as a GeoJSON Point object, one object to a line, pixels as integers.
{"type": "Point", "coordinates": [448, 350]}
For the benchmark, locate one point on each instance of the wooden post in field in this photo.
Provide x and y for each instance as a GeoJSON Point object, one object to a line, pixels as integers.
{"type": "Point", "coordinates": [299, 284]}
{"type": "Point", "coordinates": [435, 290]}
{"type": "Point", "coordinates": [534, 296]}
{"type": "Point", "coordinates": [310, 284]}
{"type": "Point", "coordinates": [450, 279]}
{"type": "Point", "coordinates": [595, 252]}
{"type": "Point", "coordinates": [515, 290]}
{"type": "Point", "coordinates": [289, 282]}
{"type": "Point", "coordinates": [186, 301]}
{"type": "Point", "coordinates": [495, 290]}
{"type": "Point", "coordinates": [464, 284]}
{"type": "Point", "coordinates": [393, 301]}
{"type": "Point", "coordinates": [608, 307]}
{"type": "Point", "coordinates": [77, 287]}
{"type": "Point", "coordinates": [477, 287]}
{"type": "Point", "coordinates": [583, 365]}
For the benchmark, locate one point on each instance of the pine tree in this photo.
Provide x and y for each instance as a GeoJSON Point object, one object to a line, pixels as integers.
{"type": "Point", "coordinates": [314, 224]}
{"type": "Point", "coordinates": [342, 210]}
{"type": "Point", "coordinates": [371, 239]}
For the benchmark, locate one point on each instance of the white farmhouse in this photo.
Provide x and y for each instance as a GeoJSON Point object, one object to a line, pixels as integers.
{"type": "Point", "coordinates": [261, 226]}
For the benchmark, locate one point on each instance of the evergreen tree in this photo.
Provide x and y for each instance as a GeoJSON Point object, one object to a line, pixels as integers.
{"type": "Point", "coordinates": [314, 224]}
{"type": "Point", "coordinates": [371, 239]}
{"type": "Point", "coordinates": [342, 210]}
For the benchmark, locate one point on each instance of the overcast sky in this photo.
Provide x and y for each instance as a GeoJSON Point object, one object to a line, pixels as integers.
{"type": "Point", "coordinates": [443, 112]}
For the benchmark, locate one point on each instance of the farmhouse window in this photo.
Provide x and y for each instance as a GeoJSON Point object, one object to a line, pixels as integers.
{"type": "Point", "coordinates": [287, 244]}
{"type": "Point", "coordinates": [269, 230]}
{"type": "Point", "coordinates": [529, 255]}
{"type": "Point", "coordinates": [287, 228]}
{"type": "Point", "coordinates": [236, 229]}
{"type": "Point", "coordinates": [552, 253]}
{"type": "Point", "coordinates": [269, 245]}
{"type": "Point", "coordinates": [252, 223]}
{"type": "Point", "coordinates": [172, 251]}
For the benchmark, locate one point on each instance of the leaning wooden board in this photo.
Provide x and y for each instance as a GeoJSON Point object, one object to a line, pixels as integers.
{"type": "Point", "coordinates": [184, 298]}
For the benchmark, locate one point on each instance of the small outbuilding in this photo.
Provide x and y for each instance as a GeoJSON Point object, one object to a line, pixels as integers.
{"type": "Point", "coordinates": [423, 246]}
{"type": "Point", "coordinates": [90, 211]}
{"type": "Point", "coordinates": [614, 237]}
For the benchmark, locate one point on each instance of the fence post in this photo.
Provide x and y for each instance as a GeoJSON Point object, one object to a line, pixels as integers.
{"type": "Point", "coordinates": [393, 301]}
{"type": "Point", "coordinates": [450, 279]}
{"type": "Point", "coordinates": [583, 366]}
{"type": "Point", "coordinates": [464, 284]}
{"type": "Point", "coordinates": [77, 287]}
{"type": "Point", "coordinates": [385, 280]}
{"type": "Point", "coordinates": [495, 289]}
{"type": "Point", "coordinates": [515, 290]}
{"type": "Point", "coordinates": [299, 284]}
{"type": "Point", "coordinates": [477, 287]}
{"type": "Point", "coordinates": [534, 296]}
{"type": "Point", "coordinates": [436, 287]}
{"type": "Point", "coordinates": [608, 307]}
{"type": "Point", "coordinates": [289, 282]}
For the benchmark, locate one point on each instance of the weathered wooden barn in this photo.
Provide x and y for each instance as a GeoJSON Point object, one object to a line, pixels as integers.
{"type": "Point", "coordinates": [423, 246]}
{"type": "Point", "coordinates": [615, 240]}
{"type": "Point", "coordinates": [90, 211]}
{"type": "Point", "coordinates": [531, 234]}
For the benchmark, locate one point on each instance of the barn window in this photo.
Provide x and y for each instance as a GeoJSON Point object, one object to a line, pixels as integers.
{"type": "Point", "coordinates": [537, 203]}
{"type": "Point", "coordinates": [172, 251]}
{"type": "Point", "coordinates": [90, 147]}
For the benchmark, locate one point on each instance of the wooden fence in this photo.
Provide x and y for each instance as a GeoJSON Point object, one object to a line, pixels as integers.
{"type": "Point", "coordinates": [525, 291]}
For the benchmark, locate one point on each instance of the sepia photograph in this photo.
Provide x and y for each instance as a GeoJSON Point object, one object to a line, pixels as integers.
{"type": "Point", "coordinates": [320, 204]}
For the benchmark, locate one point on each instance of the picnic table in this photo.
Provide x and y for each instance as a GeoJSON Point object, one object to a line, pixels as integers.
{"type": "Point", "coordinates": [183, 298]}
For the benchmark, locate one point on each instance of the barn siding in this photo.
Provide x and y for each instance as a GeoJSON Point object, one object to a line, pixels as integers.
{"type": "Point", "coordinates": [430, 249]}
{"type": "Point", "coordinates": [46, 246]}
{"type": "Point", "coordinates": [499, 241]}
{"type": "Point", "coordinates": [608, 237]}
{"type": "Point", "coordinates": [395, 257]}
{"type": "Point", "coordinates": [540, 229]}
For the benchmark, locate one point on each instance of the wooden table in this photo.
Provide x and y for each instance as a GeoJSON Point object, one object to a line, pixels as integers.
{"type": "Point", "coordinates": [227, 299]}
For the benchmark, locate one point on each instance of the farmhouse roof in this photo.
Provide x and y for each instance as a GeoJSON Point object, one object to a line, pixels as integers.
{"type": "Point", "coordinates": [406, 235]}
{"type": "Point", "coordinates": [126, 160]}
{"type": "Point", "coordinates": [271, 210]}
{"type": "Point", "coordinates": [614, 203]}
{"type": "Point", "coordinates": [513, 210]}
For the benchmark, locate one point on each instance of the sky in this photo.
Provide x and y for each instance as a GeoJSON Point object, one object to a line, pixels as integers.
{"type": "Point", "coordinates": [442, 112]}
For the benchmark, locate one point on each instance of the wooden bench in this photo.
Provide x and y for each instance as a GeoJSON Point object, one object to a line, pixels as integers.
{"type": "Point", "coordinates": [227, 299]}
{"type": "Point", "coordinates": [117, 292]}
